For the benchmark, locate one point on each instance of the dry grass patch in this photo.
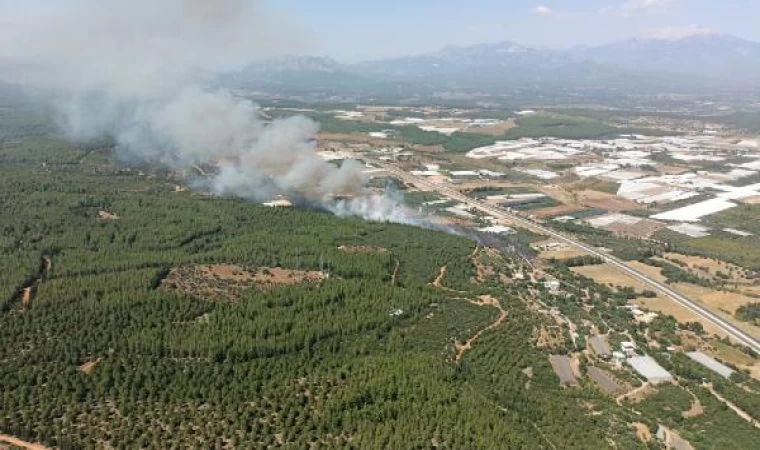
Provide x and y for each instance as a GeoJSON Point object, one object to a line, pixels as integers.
{"type": "Point", "coordinates": [609, 274]}
{"type": "Point", "coordinates": [570, 252]}
{"type": "Point", "coordinates": [554, 211]}
{"type": "Point", "coordinates": [643, 432]}
{"type": "Point", "coordinates": [682, 315]}
{"type": "Point", "coordinates": [719, 300]}
{"type": "Point", "coordinates": [105, 215]}
{"type": "Point", "coordinates": [88, 367]}
{"type": "Point", "coordinates": [606, 201]}
{"type": "Point", "coordinates": [709, 267]}
{"type": "Point", "coordinates": [227, 280]}
{"type": "Point", "coordinates": [10, 440]}
{"type": "Point", "coordinates": [652, 272]}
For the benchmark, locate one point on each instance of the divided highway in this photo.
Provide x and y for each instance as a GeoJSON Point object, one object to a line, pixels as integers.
{"type": "Point", "coordinates": [734, 332]}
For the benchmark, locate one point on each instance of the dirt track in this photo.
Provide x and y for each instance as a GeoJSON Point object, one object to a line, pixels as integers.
{"type": "Point", "coordinates": [484, 300]}
{"type": "Point", "coordinates": [5, 439]}
{"type": "Point", "coordinates": [440, 277]}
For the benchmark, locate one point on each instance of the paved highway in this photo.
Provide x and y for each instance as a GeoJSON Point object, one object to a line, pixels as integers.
{"type": "Point", "coordinates": [737, 334]}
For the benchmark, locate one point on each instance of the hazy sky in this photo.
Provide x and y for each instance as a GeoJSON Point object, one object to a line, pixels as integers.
{"type": "Point", "coordinates": [352, 30]}
{"type": "Point", "coordinates": [361, 29]}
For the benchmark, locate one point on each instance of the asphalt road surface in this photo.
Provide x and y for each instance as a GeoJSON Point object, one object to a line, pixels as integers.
{"type": "Point", "coordinates": [500, 213]}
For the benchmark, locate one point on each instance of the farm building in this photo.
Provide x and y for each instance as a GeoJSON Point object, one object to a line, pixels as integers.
{"type": "Point", "coordinates": [647, 367]}
{"type": "Point", "coordinates": [711, 363]}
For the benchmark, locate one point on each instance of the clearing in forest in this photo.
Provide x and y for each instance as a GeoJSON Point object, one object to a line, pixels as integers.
{"type": "Point", "coordinates": [105, 215]}
{"type": "Point", "coordinates": [642, 432]}
{"type": "Point", "coordinates": [228, 280]}
{"type": "Point", "coordinates": [88, 367]}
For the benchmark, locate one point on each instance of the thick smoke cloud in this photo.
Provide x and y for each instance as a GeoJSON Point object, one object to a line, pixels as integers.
{"type": "Point", "coordinates": [135, 70]}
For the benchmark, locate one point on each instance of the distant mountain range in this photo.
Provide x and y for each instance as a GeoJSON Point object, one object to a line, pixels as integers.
{"type": "Point", "coordinates": [686, 63]}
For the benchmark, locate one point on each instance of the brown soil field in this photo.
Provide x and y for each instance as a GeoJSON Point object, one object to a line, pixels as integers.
{"type": "Point", "coordinates": [642, 230]}
{"type": "Point", "coordinates": [571, 252]}
{"type": "Point", "coordinates": [717, 300]}
{"type": "Point", "coordinates": [226, 280]}
{"type": "Point", "coordinates": [559, 193]}
{"type": "Point", "coordinates": [646, 269]}
{"type": "Point", "coordinates": [603, 200]}
{"type": "Point", "coordinates": [608, 274]}
{"type": "Point", "coordinates": [556, 211]}
{"type": "Point", "coordinates": [496, 130]}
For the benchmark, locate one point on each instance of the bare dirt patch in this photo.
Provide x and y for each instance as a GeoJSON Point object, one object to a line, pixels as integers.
{"type": "Point", "coordinates": [496, 130]}
{"type": "Point", "coordinates": [362, 249]}
{"type": "Point", "coordinates": [226, 280]}
{"type": "Point", "coordinates": [643, 432]}
{"type": "Point", "coordinates": [606, 201]}
{"type": "Point", "coordinates": [26, 297]}
{"type": "Point", "coordinates": [641, 230]}
{"type": "Point", "coordinates": [609, 275]}
{"type": "Point", "coordinates": [90, 366]}
{"type": "Point", "coordinates": [555, 211]}
{"type": "Point", "coordinates": [638, 394]}
{"type": "Point", "coordinates": [5, 439]}
{"type": "Point", "coordinates": [439, 278]}
{"type": "Point", "coordinates": [650, 271]}
{"type": "Point", "coordinates": [105, 215]}
{"type": "Point", "coordinates": [716, 299]}
{"type": "Point", "coordinates": [696, 410]}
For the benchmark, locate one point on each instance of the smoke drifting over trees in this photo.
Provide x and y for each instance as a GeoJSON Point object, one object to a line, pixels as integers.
{"type": "Point", "coordinates": [134, 69]}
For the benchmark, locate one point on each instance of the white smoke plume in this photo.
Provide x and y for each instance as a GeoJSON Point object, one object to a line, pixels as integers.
{"type": "Point", "coordinates": [136, 70]}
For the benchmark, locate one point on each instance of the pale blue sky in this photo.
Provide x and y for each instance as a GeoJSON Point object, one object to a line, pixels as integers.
{"type": "Point", "coordinates": [353, 30]}
{"type": "Point", "coordinates": [361, 29]}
